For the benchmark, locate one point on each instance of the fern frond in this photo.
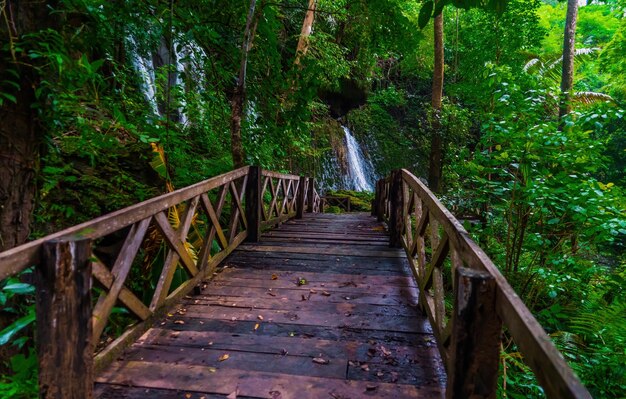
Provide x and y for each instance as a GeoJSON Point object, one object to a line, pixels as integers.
{"type": "Point", "coordinates": [590, 97]}
{"type": "Point", "coordinates": [531, 64]}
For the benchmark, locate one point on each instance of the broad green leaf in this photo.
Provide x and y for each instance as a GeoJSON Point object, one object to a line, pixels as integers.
{"type": "Point", "coordinates": [16, 326]}
{"type": "Point", "coordinates": [425, 13]}
{"type": "Point", "coordinates": [19, 288]}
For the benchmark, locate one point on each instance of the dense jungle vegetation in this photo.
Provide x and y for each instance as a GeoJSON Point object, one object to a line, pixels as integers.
{"type": "Point", "coordinates": [108, 103]}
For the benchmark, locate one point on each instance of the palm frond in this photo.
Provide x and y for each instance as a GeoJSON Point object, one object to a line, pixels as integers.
{"type": "Point", "coordinates": [590, 97]}
{"type": "Point", "coordinates": [531, 64]}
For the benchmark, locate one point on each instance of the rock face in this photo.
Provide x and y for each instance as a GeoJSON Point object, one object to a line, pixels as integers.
{"type": "Point", "coordinates": [347, 165]}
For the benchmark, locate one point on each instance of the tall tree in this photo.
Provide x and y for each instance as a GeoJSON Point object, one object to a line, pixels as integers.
{"type": "Point", "coordinates": [569, 52]}
{"type": "Point", "coordinates": [20, 131]}
{"type": "Point", "coordinates": [436, 150]}
{"type": "Point", "coordinates": [239, 94]}
{"type": "Point", "coordinates": [307, 28]}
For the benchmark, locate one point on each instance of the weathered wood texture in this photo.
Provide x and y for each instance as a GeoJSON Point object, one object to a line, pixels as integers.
{"type": "Point", "coordinates": [341, 202]}
{"type": "Point", "coordinates": [295, 323]}
{"type": "Point", "coordinates": [436, 244]}
{"type": "Point", "coordinates": [180, 237]}
{"type": "Point", "coordinates": [64, 343]}
{"type": "Point", "coordinates": [475, 337]}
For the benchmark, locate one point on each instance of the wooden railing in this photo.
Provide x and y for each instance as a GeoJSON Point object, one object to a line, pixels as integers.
{"type": "Point", "coordinates": [446, 262]}
{"type": "Point", "coordinates": [190, 231]}
{"type": "Point", "coordinates": [342, 202]}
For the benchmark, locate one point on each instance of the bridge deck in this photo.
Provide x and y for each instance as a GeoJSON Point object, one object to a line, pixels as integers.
{"type": "Point", "coordinates": [350, 329]}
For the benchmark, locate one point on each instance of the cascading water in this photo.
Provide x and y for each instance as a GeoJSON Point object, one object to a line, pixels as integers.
{"type": "Point", "coordinates": [145, 69]}
{"type": "Point", "coordinates": [361, 174]}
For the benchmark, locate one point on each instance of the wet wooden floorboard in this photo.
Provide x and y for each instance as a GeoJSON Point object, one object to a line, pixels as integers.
{"type": "Point", "coordinates": [327, 288]}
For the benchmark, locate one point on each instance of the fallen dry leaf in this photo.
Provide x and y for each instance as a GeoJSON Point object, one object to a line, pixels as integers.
{"type": "Point", "coordinates": [256, 326]}
{"type": "Point", "coordinates": [212, 369]}
{"type": "Point", "coordinates": [274, 277]}
{"type": "Point", "coordinates": [325, 293]}
{"type": "Point", "coordinates": [224, 357]}
{"type": "Point", "coordinates": [188, 395]}
{"type": "Point", "coordinates": [259, 317]}
{"type": "Point", "coordinates": [233, 395]}
{"type": "Point", "coordinates": [386, 352]}
{"type": "Point", "coordinates": [175, 334]}
{"type": "Point", "coordinates": [179, 322]}
{"type": "Point", "coordinates": [320, 360]}
{"type": "Point", "coordinates": [365, 367]}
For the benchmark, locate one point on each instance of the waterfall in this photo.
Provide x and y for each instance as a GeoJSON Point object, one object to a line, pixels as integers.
{"type": "Point", "coordinates": [145, 69]}
{"type": "Point", "coordinates": [361, 174]}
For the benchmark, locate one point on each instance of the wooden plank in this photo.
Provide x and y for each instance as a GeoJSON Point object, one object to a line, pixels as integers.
{"type": "Point", "coordinates": [475, 341]}
{"type": "Point", "coordinates": [239, 360]}
{"type": "Point", "coordinates": [284, 241]}
{"type": "Point", "coordinates": [396, 225]}
{"type": "Point", "coordinates": [112, 391]}
{"type": "Point", "coordinates": [254, 204]}
{"type": "Point", "coordinates": [177, 252]}
{"type": "Point", "coordinates": [338, 278]}
{"type": "Point", "coordinates": [104, 276]}
{"type": "Point", "coordinates": [356, 350]}
{"type": "Point", "coordinates": [349, 286]}
{"type": "Point", "coordinates": [64, 344]}
{"type": "Point", "coordinates": [321, 251]}
{"type": "Point", "coordinates": [226, 381]}
{"type": "Point", "coordinates": [301, 197]}
{"type": "Point", "coordinates": [279, 303]}
{"type": "Point", "coordinates": [437, 261]}
{"type": "Point", "coordinates": [17, 259]}
{"type": "Point", "coordinates": [303, 331]}
{"type": "Point", "coordinates": [175, 241]}
{"type": "Point", "coordinates": [307, 317]}
{"type": "Point", "coordinates": [239, 213]}
{"type": "Point", "coordinates": [119, 272]}
{"type": "Point", "coordinates": [283, 176]}
{"type": "Point", "coordinates": [208, 208]}
{"type": "Point", "coordinates": [404, 296]}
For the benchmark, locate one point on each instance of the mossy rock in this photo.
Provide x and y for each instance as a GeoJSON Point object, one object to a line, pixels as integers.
{"type": "Point", "coordinates": [360, 201]}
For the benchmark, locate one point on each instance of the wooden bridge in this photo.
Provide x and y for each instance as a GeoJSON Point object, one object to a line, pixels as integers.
{"type": "Point", "coordinates": [254, 293]}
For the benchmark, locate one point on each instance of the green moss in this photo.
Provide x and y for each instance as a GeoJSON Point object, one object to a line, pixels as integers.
{"type": "Point", "coordinates": [360, 201]}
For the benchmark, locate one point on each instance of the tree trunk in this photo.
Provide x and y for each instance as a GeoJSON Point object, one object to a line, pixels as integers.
{"type": "Point", "coordinates": [307, 28]}
{"type": "Point", "coordinates": [21, 132]}
{"type": "Point", "coordinates": [239, 94]}
{"type": "Point", "coordinates": [436, 151]}
{"type": "Point", "coordinates": [569, 48]}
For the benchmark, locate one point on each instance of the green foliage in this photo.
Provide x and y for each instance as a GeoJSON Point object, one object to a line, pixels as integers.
{"type": "Point", "coordinates": [22, 383]}
{"type": "Point", "coordinates": [546, 220]}
{"type": "Point", "coordinates": [360, 201]}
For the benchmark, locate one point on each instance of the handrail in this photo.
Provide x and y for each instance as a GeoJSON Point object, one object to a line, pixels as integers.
{"type": "Point", "coordinates": [410, 208]}
{"type": "Point", "coordinates": [342, 202]}
{"type": "Point", "coordinates": [197, 226]}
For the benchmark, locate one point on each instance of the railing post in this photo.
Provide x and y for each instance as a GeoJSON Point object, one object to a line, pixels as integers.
{"type": "Point", "coordinates": [311, 195]}
{"type": "Point", "coordinates": [301, 200]}
{"type": "Point", "coordinates": [395, 217]}
{"type": "Point", "coordinates": [64, 329]}
{"type": "Point", "coordinates": [475, 342]}
{"type": "Point", "coordinates": [380, 200]}
{"type": "Point", "coordinates": [254, 202]}
{"type": "Point", "coordinates": [375, 200]}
